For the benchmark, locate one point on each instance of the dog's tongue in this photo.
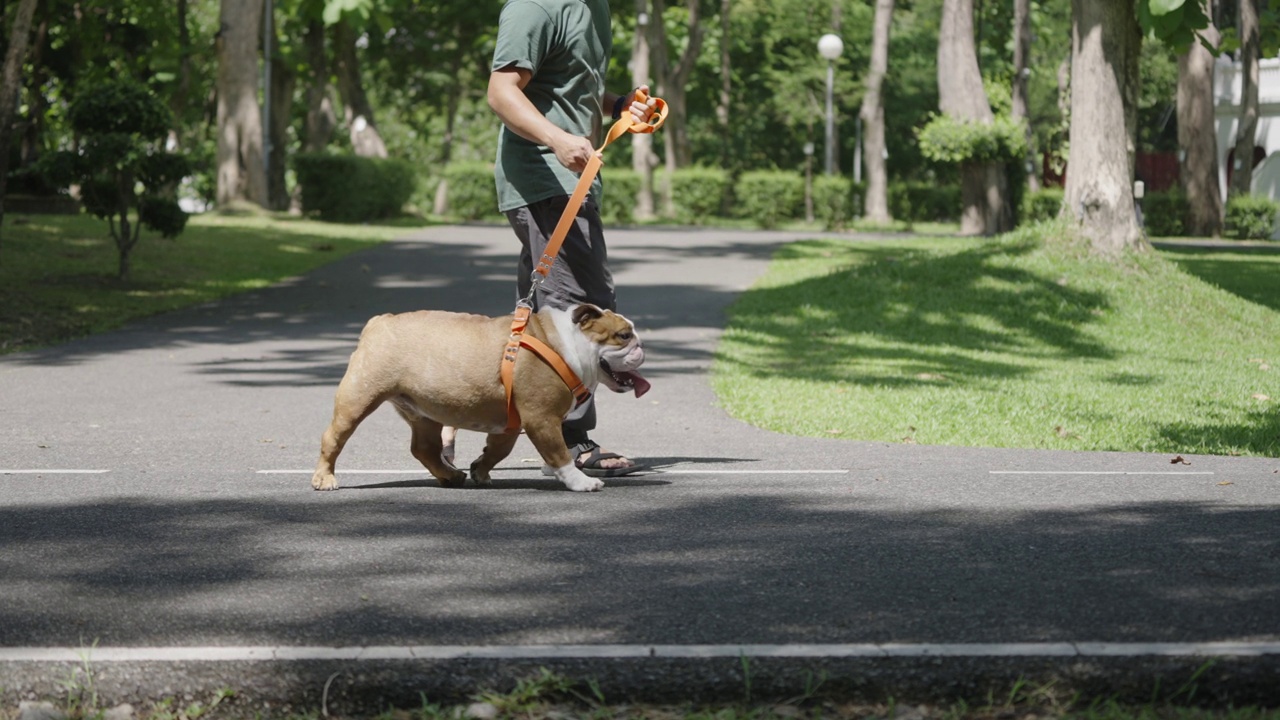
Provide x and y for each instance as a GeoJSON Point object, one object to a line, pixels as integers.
{"type": "Point", "coordinates": [639, 384]}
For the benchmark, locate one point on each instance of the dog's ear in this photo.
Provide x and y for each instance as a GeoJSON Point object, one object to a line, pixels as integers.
{"type": "Point", "coordinates": [585, 313]}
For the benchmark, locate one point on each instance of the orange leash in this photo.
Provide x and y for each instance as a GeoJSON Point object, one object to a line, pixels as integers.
{"type": "Point", "coordinates": [524, 308]}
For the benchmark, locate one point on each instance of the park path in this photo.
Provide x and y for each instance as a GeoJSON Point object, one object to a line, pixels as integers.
{"type": "Point", "coordinates": [154, 493]}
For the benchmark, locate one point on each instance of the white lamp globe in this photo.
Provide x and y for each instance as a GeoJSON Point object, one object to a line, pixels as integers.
{"type": "Point", "coordinates": [830, 46]}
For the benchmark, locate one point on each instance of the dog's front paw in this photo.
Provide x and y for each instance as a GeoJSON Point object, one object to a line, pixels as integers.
{"type": "Point", "coordinates": [576, 480]}
{"type": "Point", "coordinates": [324, 481]}
{"type": "Point", "coordinates": [480, 474]}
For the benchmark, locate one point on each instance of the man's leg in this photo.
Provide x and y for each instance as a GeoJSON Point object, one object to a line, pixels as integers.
{"type": "Point", "coordinates": [579, 274]}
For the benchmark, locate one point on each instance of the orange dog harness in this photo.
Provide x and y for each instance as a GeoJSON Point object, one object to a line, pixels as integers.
{"type": "Point", "coordinates": [520, 319]}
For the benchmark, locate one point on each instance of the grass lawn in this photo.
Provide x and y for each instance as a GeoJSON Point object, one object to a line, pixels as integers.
{"type": "Point", "coordinates": [1011, 342]}
{"type": "Point", "coordinates": [58, 273]}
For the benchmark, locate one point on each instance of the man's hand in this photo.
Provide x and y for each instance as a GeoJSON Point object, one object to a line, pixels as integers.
{"type": "Point", "coordinates": [641, 111]}
{"type": "Point", "coordinates": [572, 151]}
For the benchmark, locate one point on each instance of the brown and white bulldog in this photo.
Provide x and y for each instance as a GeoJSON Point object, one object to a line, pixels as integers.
{"type": "Point", "coordinates": [442, 369]}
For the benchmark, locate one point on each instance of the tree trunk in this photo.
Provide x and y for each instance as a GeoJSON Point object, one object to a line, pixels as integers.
{"type": "Point", "coordinates": [440, 203]}
{"type": "Point", "coordinates": [642, 159]}
{"type": "Point", "coordinates": [676, 80]}
{"type": "Point", "coordinates": [10, 83]}
{"type": "Point", "coordinates": [1105, 46]}
{"type": "Point", "coordinates": [1021, 71]}
{"type": "Point", "coordinates": [1197, 139]}
{"type": "Point", "coordinates": [961, 95]}
{"type": "Point", "coordinates": [241, 174]}
{"type": "Point", "coordinates": [357, 112]}
{"type": "Point", "coordinates": [321, 118]}
{"type": "Point", "coordinates": [1242, 166]}
{"type": "Point", "coordinates": [726, 84]}
{"type": "Point", "coordinates": [283, 80]}
{"type": "Point", "coordinates": [876, 206]}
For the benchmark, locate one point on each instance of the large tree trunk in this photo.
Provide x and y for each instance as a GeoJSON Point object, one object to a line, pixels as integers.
{"type": "Point", "coordinates": [321, 117]}
{"type": "Point", "coordinates": [1105, 46]}
{"type": "Point", "coordinates": [1197, 139]}
{"type": "Point", "coordinates": [877, 200]}
{"type": "Point", "coordinates": [241, 173]}
{"type": "Point", "coordinates": [642, 159]}
{"type": "Point", "coordinates": [357, 112]}
{"type": "Point", "coordinates": [1021, 72]}
{"type": "Point", "coordinates": [440, 204]}
{"type": "Point", "coordinates": [961, 95]}
{"type": "Point", "coordinates": [10, 82]}
{"type": "Point", "coordinates": [1246, 131]}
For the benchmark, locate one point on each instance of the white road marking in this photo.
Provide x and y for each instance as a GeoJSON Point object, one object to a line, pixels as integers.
{"type": "Point", "coordinates": [654, 472]}
{"type": "Point", "coordinates": [1092, 472]}
{"type": "Point", "coordinates": [52, 471]}
{"type": "Point", "coordinates": [517, 652]}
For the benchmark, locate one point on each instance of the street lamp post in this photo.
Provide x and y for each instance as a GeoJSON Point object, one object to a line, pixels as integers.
{"type": "Point", "coordinates": [830, 46]}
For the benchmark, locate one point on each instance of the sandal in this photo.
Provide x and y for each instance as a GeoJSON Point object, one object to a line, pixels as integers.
{"type": "Point", "coordinates": [591, 465]}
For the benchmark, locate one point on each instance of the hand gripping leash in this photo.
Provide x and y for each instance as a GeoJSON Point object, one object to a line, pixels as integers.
{"type": "Point", "coordinates": [524, 308]}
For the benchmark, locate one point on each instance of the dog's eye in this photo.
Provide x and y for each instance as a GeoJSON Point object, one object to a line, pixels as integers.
{"type": "Point", "coordinates": [625, 336]}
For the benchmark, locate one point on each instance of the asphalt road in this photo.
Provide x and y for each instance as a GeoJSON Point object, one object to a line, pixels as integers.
{"type": "Point", "coordinates": [155, 493]}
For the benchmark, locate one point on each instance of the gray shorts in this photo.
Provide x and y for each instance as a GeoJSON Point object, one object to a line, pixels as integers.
{"type": "Point", "coordinates": [581, 270]}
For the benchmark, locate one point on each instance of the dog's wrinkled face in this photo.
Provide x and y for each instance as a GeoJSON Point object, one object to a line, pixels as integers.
{"type": "Point", "coordinates": [620, 349]}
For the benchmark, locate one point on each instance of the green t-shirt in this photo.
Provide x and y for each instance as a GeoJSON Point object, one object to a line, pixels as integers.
{"type": "Point", "coordinates": [565, 45]}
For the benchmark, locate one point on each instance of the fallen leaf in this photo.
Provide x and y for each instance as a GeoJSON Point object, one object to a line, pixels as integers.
{"type": "Point", "coordinates": [1179, 461]}
{"type": "Point", "coordinates": [1260, 396]}
{"type": "Point", "coordinates": [930, 376]}
{"type": "Point", "coordinates": [1063, 432]}
{"type": "Point", "coordinates": [46, 447]}
{"type": "Point", "coordinates": [266, 440]}
{"type": "Point", "coordinates": [909, 440]}
{"type": "Point", "coordinates": [834, 431]}
{"type": "Point", "coordinates": [1226, 482]}
{"type": "Point", "coordinates": [1264, 367]}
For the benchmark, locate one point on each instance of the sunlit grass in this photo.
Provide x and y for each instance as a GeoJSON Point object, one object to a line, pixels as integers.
{"type": "Point", "coordinates": [58, 273]}
{"type": "Point", "coordinates": [1022, 341]}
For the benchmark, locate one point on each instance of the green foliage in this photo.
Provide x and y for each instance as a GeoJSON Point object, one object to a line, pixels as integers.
{"type": "Point", "coordinates": [1250, 217]}
{"type": "Point", "coordinates": [1164, 214]}
{"type": "Point", "coordinates": [1175, 22]}
{"type": "Point", "coordinates": [471, 190]}
{"type": "Point", "coordinates": [619, 203]}
{"type": "Point", "coordinates": [698, 192]}
{"type": "Point", "coordinates": [121, 166]}
{"type": "Point", "coordinates": [924, 202]}
{"type": "Point", "coordinates": [768, 196]}
{"type": "Point", "coordinates": [348, 188]}
{"type": "Point", "coordinates": [1041, 205]}
{"type": "Point", "coordinates": [945, 139]}
{"type": "Point", "coordinates": [833, 201]}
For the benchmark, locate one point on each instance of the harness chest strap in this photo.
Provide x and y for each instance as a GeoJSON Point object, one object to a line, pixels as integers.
{"type": "Point", "coordinates": [552, 358]}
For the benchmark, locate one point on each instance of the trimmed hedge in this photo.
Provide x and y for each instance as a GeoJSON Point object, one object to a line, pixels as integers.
{"type": "Point", "coordinates": [833, 201]}
{"type": "Point", "coordinates": [348, 188]}
{"type": "Point", "coordinates": [1250, 217]}
{"type": "Point", "coordinates": [1164, 214]}
{"type": "Point", "coordinates": [769, 196]}
{"type": "Point", "coordinates": [924, 202]}
{"type": "Point", "coordinates": [698, 192]}
{"type": "Point", "coordinates": [472, 193]}
{"type": "Point", "coordinates": [619, 203]}
{"type": "Point", "coordinates": [1041, 205]}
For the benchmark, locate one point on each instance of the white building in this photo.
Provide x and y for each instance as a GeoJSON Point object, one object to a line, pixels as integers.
{"type": "Point", "coordinates": [1226, 90]}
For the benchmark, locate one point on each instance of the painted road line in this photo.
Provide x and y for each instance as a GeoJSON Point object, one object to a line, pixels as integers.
{"type": "Point", "coordinates": [655, 472]}
{"type": "Point", "coordinates": [526, 652]}
{"type": "Point", "coordinates": [52, 471]}
{"type": "Point", "coordinates": [1092, 472]}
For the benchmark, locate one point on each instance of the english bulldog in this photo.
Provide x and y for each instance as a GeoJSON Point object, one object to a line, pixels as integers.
{"type": "Point", "coordinates": [441, 369]}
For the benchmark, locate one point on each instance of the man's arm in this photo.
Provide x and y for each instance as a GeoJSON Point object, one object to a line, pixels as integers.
{"type": "Point", "coordinates": [507, 98]}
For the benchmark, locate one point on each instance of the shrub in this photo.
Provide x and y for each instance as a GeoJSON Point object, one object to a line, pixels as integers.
{"type": "Point", "coordinates": [1041, 205]}
{"type": "Point", "coordinates": [698, 193]}
{"type": "Point", "coordinates": [770, 196]}
{"type": "Point", "coordinates": [833, 201]}
{"type": "Point", "coordinates": [924, 202]}
{"type": "Point", "coordinates": [1250, 217]}
{"type": "Point", "coordinates": [945, 139]}
{"type": "Point", "coordinates": [121, 165]}
{"type": "Point", "coordinates": [349, 188]}
{"type": "Point", "coordinates": [472, 193]}
{"type": "Point", "coordinates": [1164, 213]}
{"type": "Point", "coordinates": [619, 203]}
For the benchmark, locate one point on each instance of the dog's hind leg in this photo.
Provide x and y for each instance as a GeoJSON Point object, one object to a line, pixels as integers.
{"type": "Point", "coordinates": [426, 446]}
{"type": "Point", "coordinates": [350, 407]}
{"type": "Point", "coordinates": [497, 446]}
